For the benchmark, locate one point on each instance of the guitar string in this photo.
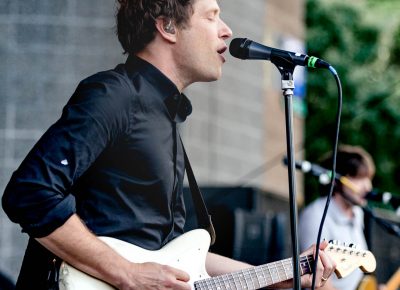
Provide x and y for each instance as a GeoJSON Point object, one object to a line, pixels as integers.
{"type": "Point", "coordinates": [250, 274]}
{"type": "Point", "coordinates": [245, 274]}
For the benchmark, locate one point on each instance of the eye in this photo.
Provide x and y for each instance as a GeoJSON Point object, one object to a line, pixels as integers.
{"type": "Point", "coordinates": [213, 16]}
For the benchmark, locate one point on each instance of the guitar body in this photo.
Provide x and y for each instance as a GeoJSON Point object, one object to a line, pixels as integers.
{"type": "Point", "coordinates": [368, 282]}
{"type": "Point", "coordinates": [187, 252]}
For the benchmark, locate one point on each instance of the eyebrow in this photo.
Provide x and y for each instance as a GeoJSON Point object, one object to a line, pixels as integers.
{"type": "Point", "coordinates": [214, 10]}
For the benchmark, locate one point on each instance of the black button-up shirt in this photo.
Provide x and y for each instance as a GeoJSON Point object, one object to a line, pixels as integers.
{"type": "Point", "coordinates": [114, 157]}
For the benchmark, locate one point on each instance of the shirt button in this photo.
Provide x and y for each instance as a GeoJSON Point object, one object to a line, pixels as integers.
{"type": "Point", "coordinates": [176, 97]}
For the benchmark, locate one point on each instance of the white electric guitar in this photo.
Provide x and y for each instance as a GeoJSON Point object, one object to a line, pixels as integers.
{"type": "Point", "coordinates": [188, 253]}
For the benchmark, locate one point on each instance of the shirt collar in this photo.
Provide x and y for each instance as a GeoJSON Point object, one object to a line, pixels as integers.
{"type": "Point", "coordinates": [178, 105]}
{"type": "Point", "coordinates": [340, 217]}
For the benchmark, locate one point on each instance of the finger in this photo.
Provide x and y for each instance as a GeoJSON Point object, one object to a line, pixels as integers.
{"type": "Point", "coordinates": [180, 275]}
{"type": "Point", "coordinates": [328, 265]}
{"type": "Point", "coordinates": [323, 244]}
{"type": "Point", "coordinates": [180, 285]}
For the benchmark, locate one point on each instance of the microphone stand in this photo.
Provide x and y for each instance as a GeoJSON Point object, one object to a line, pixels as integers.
{"type": "Point", "coordinates": [286, 69]}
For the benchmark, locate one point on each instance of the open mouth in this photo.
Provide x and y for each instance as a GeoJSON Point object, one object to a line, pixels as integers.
{"type": "Point", "coordinates": [222, 50]}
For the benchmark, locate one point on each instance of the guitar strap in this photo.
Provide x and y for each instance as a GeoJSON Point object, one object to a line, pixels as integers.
{"type": "Point", "coordinates": [203, 217]}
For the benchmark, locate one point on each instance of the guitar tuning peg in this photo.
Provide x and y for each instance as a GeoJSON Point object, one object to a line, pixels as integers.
{"type": "Point", "coordinates": [353, 246]}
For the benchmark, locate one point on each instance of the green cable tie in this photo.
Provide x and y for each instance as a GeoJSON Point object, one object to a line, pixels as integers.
{"type": "Point", "coordinates": [311, 61]}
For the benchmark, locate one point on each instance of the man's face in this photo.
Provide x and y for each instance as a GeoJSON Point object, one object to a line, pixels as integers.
{"type": "Point", "coordinates": [200, 45]}
{"type": "Point", "coordinates": [360, 187]}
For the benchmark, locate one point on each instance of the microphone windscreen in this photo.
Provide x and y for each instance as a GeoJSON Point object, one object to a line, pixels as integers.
{"type": "Point", "coordinates": [238, 49]}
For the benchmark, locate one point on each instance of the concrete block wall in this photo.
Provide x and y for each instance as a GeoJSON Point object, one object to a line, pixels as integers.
{"type": "Point", "coordinates": [46, 48]}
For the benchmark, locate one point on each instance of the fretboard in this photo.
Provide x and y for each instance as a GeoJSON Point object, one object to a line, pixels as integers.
{"type": "Point", "coordinates": [256, 277]}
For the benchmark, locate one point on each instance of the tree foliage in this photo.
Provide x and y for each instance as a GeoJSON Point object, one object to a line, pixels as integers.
{"type": "Point", "coordinates": [367, 57]}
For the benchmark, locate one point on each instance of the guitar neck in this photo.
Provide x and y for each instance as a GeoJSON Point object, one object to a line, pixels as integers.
{"type": "Point", "coordinates": [257, 277]}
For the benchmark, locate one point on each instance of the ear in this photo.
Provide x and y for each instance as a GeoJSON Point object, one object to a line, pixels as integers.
{"type": "Point", "coordinates": [166, 28]}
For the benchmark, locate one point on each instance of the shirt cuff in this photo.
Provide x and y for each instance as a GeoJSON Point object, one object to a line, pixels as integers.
{"type": "Point", "coordinates": [53, 219]}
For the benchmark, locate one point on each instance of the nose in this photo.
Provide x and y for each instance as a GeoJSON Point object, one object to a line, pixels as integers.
{"type": "Point", "coordinates": [365, 186]}
{"type": "Point", "coordinates": [224, 31]}
{"type": "Point", "coordinates": [368, 185]}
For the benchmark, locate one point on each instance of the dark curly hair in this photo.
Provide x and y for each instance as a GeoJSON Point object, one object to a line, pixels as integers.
{"type": "Point", "coordinates": [136, 20]}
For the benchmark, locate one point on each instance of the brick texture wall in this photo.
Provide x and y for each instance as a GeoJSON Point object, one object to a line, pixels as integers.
{"type": "Point", "coordinates": [47, 47]}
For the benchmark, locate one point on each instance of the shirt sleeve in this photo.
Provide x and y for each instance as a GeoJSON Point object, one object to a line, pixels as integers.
{"type": "Point", "coordinates": [38, 195]}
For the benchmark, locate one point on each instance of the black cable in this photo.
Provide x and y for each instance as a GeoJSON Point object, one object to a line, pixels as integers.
{"type": "Point", "coordinates": [335, 146]}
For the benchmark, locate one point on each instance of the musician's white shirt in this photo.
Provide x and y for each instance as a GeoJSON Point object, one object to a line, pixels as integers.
{"type": "Point", "coordinates": [337, 226]}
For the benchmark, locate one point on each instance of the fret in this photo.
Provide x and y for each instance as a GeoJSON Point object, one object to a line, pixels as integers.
{"type": "Point", "coordinates": [219, 283]}
{"type": "Point", "coordinates": [210, 283]}
{"type": "Point", "coordinates": [289, 268]}
{"type": "Point", "coordinates": [216, 282]}
{"type": "Point", "coordinates": [271, 280]}
{"type": "Point", "coordinates": [234, 281]}
{"type": "Point", "coordinates": [282, 270]}
{"type": "Point", "coordinates": [245, 279]}
{"type": "Point", "coordinates": [308, 265]}
{"type": "Point", "coordinates": [303, 266]}
{"type": "Point", "coordinates": [259, 278]}
{"type": "Point", "coordinates": [277, 271]}
{"type": "Point", "coordinates": [256, 281]}
{"type": "Point", "coordinates": [253, 276]}
{"type": "Point", "coordinates": [265, 277]}
{"type": "Point", "coordinates": [270, 274]}
{"type": "Point", "coordinates": [205, 284]}
{"type": "Point", "coordinates": [225, 282]}
{"type": "Point", "coordinates": [240, 280]}
{"type": "Point", "coordinates": [198, 285]}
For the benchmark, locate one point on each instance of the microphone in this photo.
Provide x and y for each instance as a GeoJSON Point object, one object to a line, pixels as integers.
{"type": "Point", "coordinates": [244, 48]}
{"type": "Point", "coordinates": [324, 175]}
{"type": "Point", "coordinates": [384, 197]}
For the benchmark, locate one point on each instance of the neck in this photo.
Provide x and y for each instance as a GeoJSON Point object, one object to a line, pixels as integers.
{"type": "Point", "coordinates": [162, 59]}
{"type": "Point", "coordinates": [344, 204]}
